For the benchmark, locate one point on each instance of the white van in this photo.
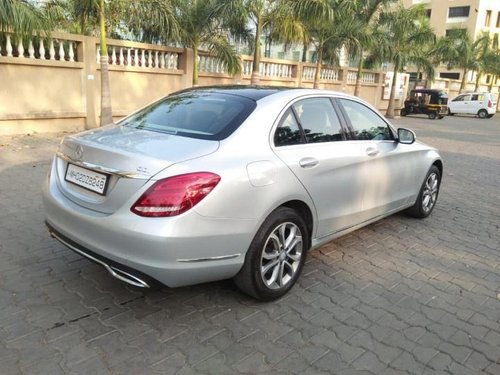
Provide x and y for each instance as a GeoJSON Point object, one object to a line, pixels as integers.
{"type": "Point", "coordinates": [482, 104]}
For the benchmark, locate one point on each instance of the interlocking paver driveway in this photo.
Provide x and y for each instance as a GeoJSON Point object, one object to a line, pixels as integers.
{"type": "Point", "coordinates": [401, 296]}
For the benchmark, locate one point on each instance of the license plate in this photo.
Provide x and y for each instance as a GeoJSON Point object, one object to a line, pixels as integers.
{"type": "Point", "coordinates": [87, 179]}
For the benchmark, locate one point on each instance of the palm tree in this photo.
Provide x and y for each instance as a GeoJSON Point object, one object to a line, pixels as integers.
{"type": "Point", "coordinates": [283, 15]}
{"type": "Point", "coordinates": [366, 35]}
{"type": "Point", "coordinates": [106, 110]}
{"type": "Point", "coordinates": [75, 16]}
{"type": "Point", "coordinates": [152, 21]}
{"type": "Point", "coordinates": [201, 25]}
{"type": "Point", "coordinates": [22, 18]}
{"type": "Point", "coordinates": [458, 50]}
{"type": "Point", "coordinates": [490, 64]}
{"type": "Point", "coordinates": [405, 31]}
{"type": "Point", "coordinates": [330, 35]}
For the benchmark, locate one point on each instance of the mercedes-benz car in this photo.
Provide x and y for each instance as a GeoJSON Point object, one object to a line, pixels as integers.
{"type": "Point", "coordinates": [233, 182]}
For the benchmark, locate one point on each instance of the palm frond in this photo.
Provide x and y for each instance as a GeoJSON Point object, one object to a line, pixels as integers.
{"type": "Point", "coordinates": [220, 47]}
{"type": "Point", "coordinates": [22, 18]}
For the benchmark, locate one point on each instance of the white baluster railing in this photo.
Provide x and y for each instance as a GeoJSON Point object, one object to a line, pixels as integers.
{"type": "Point", "coordinates": [41, 50]}
{"type": "Point", "coordinates": [35, 48]}
{"type": "Point", "coordinates": [329, 74]}
{"type": "Point", "coordinates": [247, 67]}
{"type": "Point", "coordinates": [62, 54]}
{"type": "Point", "coordinates": [31, 50]}
{"type": "Point", "coordinates": [352, 76]}
{"type": "Point", "coordinates": [52, 51]}
{"type": "Point", "coordinates": [8, 47]}
{"type": "Point", "coordinates": [210, 64]}
{"type": "Point", "coordinates": [141, 57]}
{"type": "Point", "coordinates": [368, 78]}
{"type": "Point", "coordinates": [308, 72]}
{"type": "Point", "coordinates": [113, 56]}
{"type": "Point", "coordinates": [71, 52]}
{"type": "Point", "coordinates": [20, 48]}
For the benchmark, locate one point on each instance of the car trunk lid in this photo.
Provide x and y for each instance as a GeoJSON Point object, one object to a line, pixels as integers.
{"type": "Point", "coordinates": [124, 158]}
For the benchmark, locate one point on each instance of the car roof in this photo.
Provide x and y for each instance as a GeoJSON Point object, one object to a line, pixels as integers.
{"type": "Point", "coordinates": [251, 92]}
{"type": "Point", "coordinates": [257, 93]}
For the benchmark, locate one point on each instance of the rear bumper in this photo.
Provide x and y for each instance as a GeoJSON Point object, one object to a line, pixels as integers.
{"type": "Point", "coordinates": [183, 250]}
{"type": "Point", "coordinates": [117, 270]}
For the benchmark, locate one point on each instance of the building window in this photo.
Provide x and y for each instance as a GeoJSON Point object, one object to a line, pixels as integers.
{"type": "Point", "coordinates": [428, 13]}
{"type": "Point", "coordinates": [498, 20]}
{"type": "Point", "coordinates": [487, 21]}
{"type": "Point", "coordinates": [458, 12]}
{"type": "Point", "coordinates": [449, 75]}
{"type": "Point", "coordinates": [494, 43]}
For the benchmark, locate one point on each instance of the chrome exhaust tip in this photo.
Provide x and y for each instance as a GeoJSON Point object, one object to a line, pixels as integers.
{"type": "Point", "coordinates": [114, 271]}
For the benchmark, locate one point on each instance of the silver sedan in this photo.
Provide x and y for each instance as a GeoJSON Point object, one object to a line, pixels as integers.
{"type": "Point", "coordinates": [233, 182]}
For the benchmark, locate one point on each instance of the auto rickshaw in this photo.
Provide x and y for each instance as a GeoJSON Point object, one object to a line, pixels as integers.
{"type": "Point", "coordinates": [432, 103]}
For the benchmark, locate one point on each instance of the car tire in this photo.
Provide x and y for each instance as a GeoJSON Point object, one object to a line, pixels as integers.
{"type": "Point", "coordinates": [271, 265]}
{"type": "Point", "coordinates": [483, 113]}
{"type": "Point", "coordinates": [450, 113]}
{"type": "Point", "coordinates": [432, 115]}
{"type": "Point", "coordinates": [427, 197]}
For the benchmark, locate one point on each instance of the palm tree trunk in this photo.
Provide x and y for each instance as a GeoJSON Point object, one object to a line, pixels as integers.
{"type": "Point", "coordinates": [195, 65]}
{"type": "Point", "coordinates": [82, 24]}
{"type": "Point", "coordinates": [317, 73]}
{"type": "Point", "coordinates": [478, 78]}
{"type": "Point", "coordinates": [255, 80]}
{"type": "Point", "coordinates": [106, 110]}
{"type": "Point", "coordinates": [462, 84]}
{"type": "Point", "coordinates": [390, 107]}
{"type": "Point", "coordinates": [305, 45]}
{"type": "Point", "coordinates": [357, 88]}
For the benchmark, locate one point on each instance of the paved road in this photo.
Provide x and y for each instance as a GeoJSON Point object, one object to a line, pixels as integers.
{"type": "Point", "coordinates": [401, 296]}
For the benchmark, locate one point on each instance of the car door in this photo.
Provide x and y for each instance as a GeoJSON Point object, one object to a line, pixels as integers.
{"type": "Point", "coordinates": [389, 166]}
{"type": "Point", "coordinates": [309, 139]}
{"type": "Point", "coordinates": [476, 103]}
{"type": "Point", "coordinates": [460, 104]}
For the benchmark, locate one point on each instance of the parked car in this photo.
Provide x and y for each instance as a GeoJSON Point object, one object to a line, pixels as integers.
{"type": "Point", "coordinates": [233, 182]}
{"type": "Point", "coordinates": [428, 102]}
{"type": "Point", "coordinates": [483, 105]}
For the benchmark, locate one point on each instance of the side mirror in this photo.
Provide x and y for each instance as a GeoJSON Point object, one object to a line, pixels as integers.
{"type": "Point", "coordinates": [406, 136]}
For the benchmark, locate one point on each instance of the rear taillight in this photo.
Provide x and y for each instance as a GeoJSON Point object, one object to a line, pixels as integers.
{"type": "Point", "coordinates": [490, 104]}
{"type": "Point", "coordinates": [174, 195]}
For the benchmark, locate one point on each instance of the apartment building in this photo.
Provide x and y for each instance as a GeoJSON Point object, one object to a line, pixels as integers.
{"type": "Point", "coordinates": [476, 16]}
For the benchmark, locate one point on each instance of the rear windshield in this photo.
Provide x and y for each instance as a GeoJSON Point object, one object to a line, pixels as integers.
{"type": "Point", "coordinates": [201, 115]}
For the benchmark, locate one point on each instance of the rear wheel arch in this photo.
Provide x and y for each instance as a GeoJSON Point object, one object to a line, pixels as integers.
{"type": "Point", "coordinates": [276, 256]}
{"type": "Point", "coordinates": [305, 212]}
{"type": "Point", "coordinates": [482, 113]}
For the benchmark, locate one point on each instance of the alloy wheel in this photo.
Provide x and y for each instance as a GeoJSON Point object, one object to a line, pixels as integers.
{"type": "Point", "coordinates": [281, 255]}
{"type": "Point", "coordinates": [430, 192]}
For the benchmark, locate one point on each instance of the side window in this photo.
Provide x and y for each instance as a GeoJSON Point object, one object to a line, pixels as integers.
{"type": "Point", "coordinates": [477, 97]}
{"type": "Point", "coordinates": [366, 124]}
{"type": "Point", "coordinates": [288, 132]}
{"type": "Point", "coordinates": [459, 98]}
{"type": "Point", "coordinates": [319, 120]}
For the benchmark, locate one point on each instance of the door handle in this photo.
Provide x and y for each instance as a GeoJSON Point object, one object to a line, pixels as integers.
{"type": "Point", "coordinates": [372, 151]}
{"type": "Point", "coordinates": [308, 162]}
